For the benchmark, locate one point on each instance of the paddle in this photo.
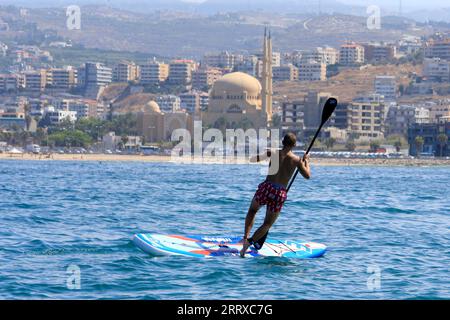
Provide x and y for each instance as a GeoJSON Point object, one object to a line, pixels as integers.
{"type": "Point", "coordinates": [328, 110]}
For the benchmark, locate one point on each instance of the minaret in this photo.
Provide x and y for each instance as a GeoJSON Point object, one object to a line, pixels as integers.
{"type": "Point", "coordinates": [267, 90]}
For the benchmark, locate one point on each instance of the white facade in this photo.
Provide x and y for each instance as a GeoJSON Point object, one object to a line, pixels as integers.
{"type": "Point", "coordinates": [351, 54]}
{"type": "Point", "coordinates": [325, 55]}
{"type": "Point", "coordinates": [223, 59]}
{"type": "Point", "coordinates": [57, 116]}
{"type": "Point", "coordinates": [312, 71]}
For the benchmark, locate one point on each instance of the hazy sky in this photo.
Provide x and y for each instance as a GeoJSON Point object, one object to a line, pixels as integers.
{"type": "Point", "coordinates": [391, 4]}
{"type": "Point", "coordinates": [406, 4]}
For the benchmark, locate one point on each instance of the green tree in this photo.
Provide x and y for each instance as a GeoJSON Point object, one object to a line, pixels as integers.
{"type": "Point", "coordinates": [442, 141]}
{"type": "Point", "coordinates": [125, 124]}
{"type": "Point", "coordinates": [94, 127]}
{"type": "Point", "coordinates": [419, 142]}
{"type": "Point", "coordinates": [72, 138]}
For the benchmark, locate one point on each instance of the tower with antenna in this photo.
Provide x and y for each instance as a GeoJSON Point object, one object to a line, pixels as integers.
{"type": "Point", "coordinates": [266, 83]}
{"type": "Point", "coordinates": [400, 9]}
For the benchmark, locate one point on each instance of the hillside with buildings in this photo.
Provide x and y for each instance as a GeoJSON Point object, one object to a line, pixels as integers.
{"type": "Point", "coordinates": [227, 71]}
{"type": "Point", "coordinates": [184, 34]}
{"type": "Point", "coordinates": [348, 83]}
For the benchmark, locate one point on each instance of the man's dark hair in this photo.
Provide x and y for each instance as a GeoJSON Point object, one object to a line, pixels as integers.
{"type": "Point", "coordinates": [289, 140]}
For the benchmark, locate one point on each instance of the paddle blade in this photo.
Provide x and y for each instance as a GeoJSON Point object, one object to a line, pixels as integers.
{"type": "Point", "coordinates": [328, 109]}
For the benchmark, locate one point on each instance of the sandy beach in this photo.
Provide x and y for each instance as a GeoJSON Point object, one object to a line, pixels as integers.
{"type": "Point", "coordinates": [212, 160]}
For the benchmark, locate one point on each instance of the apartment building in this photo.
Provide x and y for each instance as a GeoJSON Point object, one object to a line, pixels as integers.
{"type": "Point", "coordinates": [438, 49]}
{"type": "Point", "coordinates": [204, 78]}
{"type": "Point", "coordinates": [312, 71]}
{"type": "Point", "coordinates": [64, 78]}
{"type": "Point", "coordinates": [180, 72]}
{"type": "Point", "coordinates": [379, 52]}
{"type": "Point", "coordinates": [325, 55]}
{"type": "Point", "coordinates": [224, 60]}
{"type": "Point", "coordinates": [153, 73]}
{"type": "Point", "coordinates": [285, 73]}
{"type": "Point", "coordinates": [367, 117]}
{"type": "Point", "coordinates": [351, 54]}
{"type": "Point", "coordinates": [35, 81]}
{"type": "Point", "coordinates": [126, 71]}
{"type": "Point", "coordinates": [386, 86]}
{"type": "Point", "coordinates": [190, 101]}
{"type": "Point", "coordinates": [169, 103]}
{"type": "Point", "coordinates": [436, 69]}
{"type": "Point", "coordinates": [292, 117]}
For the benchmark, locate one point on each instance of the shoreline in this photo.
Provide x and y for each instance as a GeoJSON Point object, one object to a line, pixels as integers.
{"type": "Point", "coordinates": [212, 160]}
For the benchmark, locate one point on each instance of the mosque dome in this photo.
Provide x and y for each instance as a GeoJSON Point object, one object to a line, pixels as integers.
{"type": "Point", "coordinates": [152, 107]}
{"type": "Point", "coordinates": [236, 83]}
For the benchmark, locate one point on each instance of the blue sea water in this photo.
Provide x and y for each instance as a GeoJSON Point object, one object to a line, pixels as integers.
{"type": "Point", "coordinates": [387, 230]}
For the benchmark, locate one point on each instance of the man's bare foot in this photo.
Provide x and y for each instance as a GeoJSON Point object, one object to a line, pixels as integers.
{"type": "Point", "coordinates": [245, 246]}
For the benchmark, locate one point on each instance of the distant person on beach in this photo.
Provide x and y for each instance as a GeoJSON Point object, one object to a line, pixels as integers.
{"type": "Point", "coordinates": [272, 192]}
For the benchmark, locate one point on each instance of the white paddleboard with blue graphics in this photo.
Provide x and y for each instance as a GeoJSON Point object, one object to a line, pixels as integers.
{"type": "Point", "coordinates": [217, 246]}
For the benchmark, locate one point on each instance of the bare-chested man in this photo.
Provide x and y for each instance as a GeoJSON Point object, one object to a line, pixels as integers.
{"type": "Point", "coordinates": [272, 192]}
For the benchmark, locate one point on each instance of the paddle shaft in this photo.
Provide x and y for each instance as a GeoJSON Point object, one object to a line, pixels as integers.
{"type": "Point", "coordinates": [306, 153]}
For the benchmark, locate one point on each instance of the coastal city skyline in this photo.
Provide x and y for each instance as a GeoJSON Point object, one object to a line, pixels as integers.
{"type": "Point", "coordinates": [224, 89]}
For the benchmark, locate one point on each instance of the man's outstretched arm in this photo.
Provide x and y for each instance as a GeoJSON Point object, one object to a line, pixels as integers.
{"type": "Point", "coordinates": [303, 167]}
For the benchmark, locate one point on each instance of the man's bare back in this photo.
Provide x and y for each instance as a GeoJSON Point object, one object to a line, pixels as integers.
{"type": "Point", "coordinates": [287, 163]}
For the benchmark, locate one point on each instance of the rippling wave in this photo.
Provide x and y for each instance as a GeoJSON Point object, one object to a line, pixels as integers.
{"type": "Point", "coordinates": [53, 215]}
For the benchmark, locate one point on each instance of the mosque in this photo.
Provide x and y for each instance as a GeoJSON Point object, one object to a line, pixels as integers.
{"type": "Point", "coordinates": [157, 126]}
{"type": "Point", "coordinates": [237, 100]}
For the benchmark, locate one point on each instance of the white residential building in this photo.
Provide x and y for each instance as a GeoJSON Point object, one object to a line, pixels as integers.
{"type": "Point", "coordinates": [224, 59]}
{"type": "Point", "coordinates": [125, 71]}
{"type": "Point", "coordinates": [312, 71]}
{"type": "Point", "coordinates": [325, 55]}
{"type": "Point", "coordinates": [285, 73]}
{"type": "Point", "coordinates": [154, 73]}
{"type": "Point", "coordinates": [57, 116]}
{"type": "Point", "coordinates": [351, 54]}
{"type": "Point", "coordinates": [180, 72]}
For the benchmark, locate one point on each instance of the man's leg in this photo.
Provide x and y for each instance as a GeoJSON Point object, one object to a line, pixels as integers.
{"type": "Point", "coordinates": [249, 221]}
{"type": "Point", "coordinates": [269, 220]}
{"type": "Point", "coordinates": [250, 218]}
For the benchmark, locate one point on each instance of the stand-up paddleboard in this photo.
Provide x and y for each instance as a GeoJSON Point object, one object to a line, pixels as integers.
{"type": "Point", "coordinates": [215, 246]}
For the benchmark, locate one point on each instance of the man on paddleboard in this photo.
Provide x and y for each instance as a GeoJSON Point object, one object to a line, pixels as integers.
{"type": "Point", "coordinates": [272, 192]}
